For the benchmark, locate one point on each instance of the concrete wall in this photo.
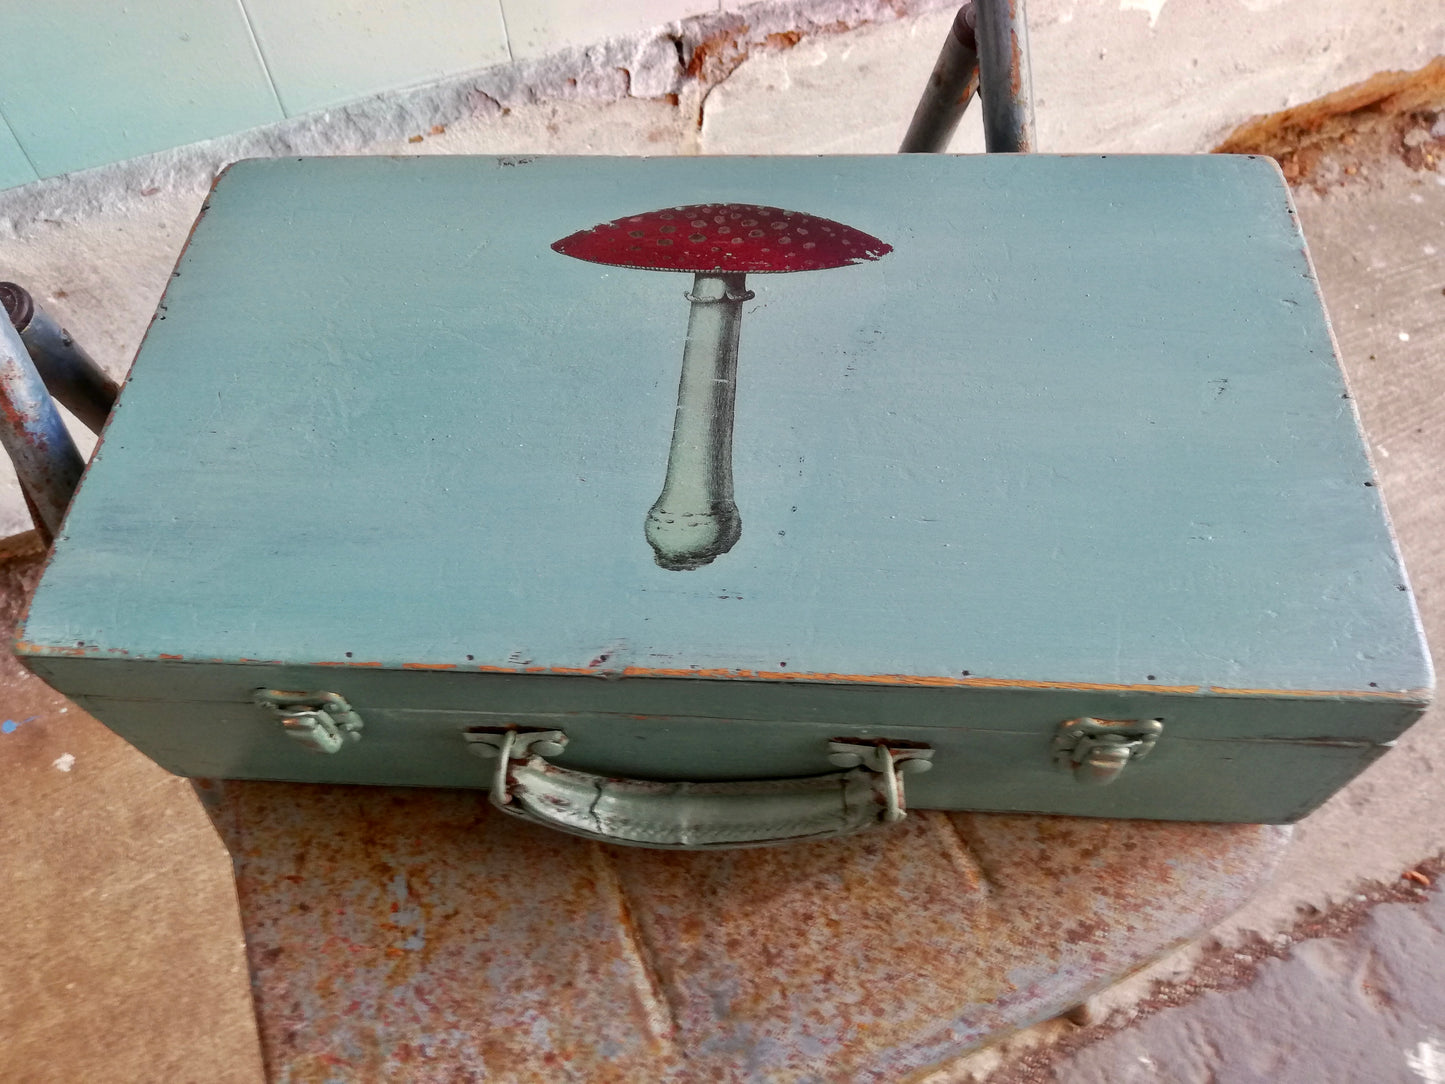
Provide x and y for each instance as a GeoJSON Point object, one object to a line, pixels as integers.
{"type": "Point", "coordinates": [87, 82]}
{"type": "Point", "coordinates": [96, 247]}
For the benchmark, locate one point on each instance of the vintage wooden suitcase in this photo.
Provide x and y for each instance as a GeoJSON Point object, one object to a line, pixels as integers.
{"type": "Point", "coordinates": [1040, 472]}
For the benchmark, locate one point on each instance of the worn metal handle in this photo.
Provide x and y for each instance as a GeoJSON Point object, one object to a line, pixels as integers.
{"type": "Point", "coordinates": [695, 816]}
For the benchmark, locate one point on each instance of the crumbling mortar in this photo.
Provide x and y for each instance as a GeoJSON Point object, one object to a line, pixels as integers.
{"type": "Point", "coordinates": [679, 63]}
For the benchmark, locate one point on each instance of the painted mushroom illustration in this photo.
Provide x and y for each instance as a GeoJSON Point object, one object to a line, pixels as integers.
{"type": "Point", "coordinates": [695, 519]}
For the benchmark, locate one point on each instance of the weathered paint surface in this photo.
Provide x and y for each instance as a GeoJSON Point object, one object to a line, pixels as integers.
{"type": "Point", "coordinates": [1415, 695]}
{"type": "Point", "coordinates": [1139, 490]}
{"type": "Point", "coordinates": [421, 936]}
{"type": "Point", "coordinates": [1209, 524]}
{"type": "Point", "coordinates": [1221, 758]}
{"type": "Point", "coordinates": [950, 87]}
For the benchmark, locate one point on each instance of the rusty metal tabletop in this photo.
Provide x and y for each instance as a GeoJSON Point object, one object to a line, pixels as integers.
{"type": "Point", "coordinates": [416, 935]}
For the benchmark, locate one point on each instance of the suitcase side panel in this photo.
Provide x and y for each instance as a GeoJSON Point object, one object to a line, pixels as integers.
{"type": "Point", "coordinates": [975, 769]}
{"type": "Point", "coordinates": [1283, 715]}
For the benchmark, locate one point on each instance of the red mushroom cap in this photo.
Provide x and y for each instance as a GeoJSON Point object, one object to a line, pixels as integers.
{"type": "Point", "coordinates": [723, 237]}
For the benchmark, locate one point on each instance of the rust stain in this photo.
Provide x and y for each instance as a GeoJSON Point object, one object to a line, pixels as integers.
{"type": "Point", "coordinates": [718, 56]}
{"type": "Point", "coordinates": [784, 39]}
{"type": "Point", "coordinates": [428, 666]}
{"type": "Point", "coordinates": [417, 931]}
{"type": "Point", "coordinates": [1355, 123]}
{"type": "Point", "coordinates": [25, 647]}
{"type": "Point", "coordinates": [632, 990]}
{"type": "Point", "coordinates": [100, 437]}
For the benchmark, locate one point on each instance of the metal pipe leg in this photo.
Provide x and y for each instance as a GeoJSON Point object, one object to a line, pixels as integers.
{"type": "Point", "coordinates": [1005, 81]}
{"type": "Point", "coordinates": [46, 459]}
{"type": "Point", "coordinates": [950, 88]}
{"type": "Point", "coordinates": [68, 371]}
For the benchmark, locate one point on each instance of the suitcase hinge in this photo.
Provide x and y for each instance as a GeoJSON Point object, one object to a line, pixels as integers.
{"type": "Point", "coordinates": [1098, 750]}
{"type": "Point", "coordinates": [323, 722]}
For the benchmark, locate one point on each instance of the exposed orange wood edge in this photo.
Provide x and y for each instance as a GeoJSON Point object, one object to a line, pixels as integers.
{"type": "Point", "coordinates": [908, 680]}
{"type": "Point", "coordinates": [24, 544]}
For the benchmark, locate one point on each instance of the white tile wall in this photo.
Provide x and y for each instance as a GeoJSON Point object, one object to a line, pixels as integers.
{"type": "Point", "coordinates": [86, 82]}
{"type": "Point", "coordinates": [538, 27]}
{"type": "Point", "coordinates": [15, 168]}
{"type": "Point", "coordinates": [324, 52]}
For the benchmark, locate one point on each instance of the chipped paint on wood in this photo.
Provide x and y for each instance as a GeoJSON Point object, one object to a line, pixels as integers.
{"type": "Point", "coordinates": [1421, 696]}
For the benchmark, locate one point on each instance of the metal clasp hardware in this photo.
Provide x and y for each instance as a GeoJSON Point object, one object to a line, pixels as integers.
{"type": "Point", "coordinates": [504, 746]}
{"type": "Point", "coordinates": [323, 722]}
{"type": "Point", "coordinates": [889, 761]}
{"type": "Point", "coordinates": [489, 744]}
{"type": "Point", "coordinates": [1097, 750]}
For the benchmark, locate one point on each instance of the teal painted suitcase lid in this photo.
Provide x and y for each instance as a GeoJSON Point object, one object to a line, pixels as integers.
{"type": "Point", "coordinates": [1082, 424]}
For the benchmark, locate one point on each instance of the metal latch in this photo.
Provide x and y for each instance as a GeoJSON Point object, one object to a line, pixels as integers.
{"type": "Point", "coordinates": [889, 760]}
{"type": "Point", "coordinates": [910, 758]}
{"type": "Point", "coordinates": [490, 743]}
{"type": "Point", "coordinates": [323, 722]}
{"type": "Point", "coordinates": [1097, 750]}
{"type": "Point", "coordinates": [507, 744]}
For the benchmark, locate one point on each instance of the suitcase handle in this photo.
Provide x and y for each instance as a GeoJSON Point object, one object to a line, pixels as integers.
{"type": "Point", "coordinates": [698, 816]}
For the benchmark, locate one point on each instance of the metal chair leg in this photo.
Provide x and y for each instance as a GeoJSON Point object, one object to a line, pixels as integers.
{"type": "Point", "coordinates": [950, 88]}
{"type": "Point", "coordinates": [68, 371]}
{"type": "Point", "coordinates": [46, 459]}
{"type": "Point", "coordinates": [1005, 79]}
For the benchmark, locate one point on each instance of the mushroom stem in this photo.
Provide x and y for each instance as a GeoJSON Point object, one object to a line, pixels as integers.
{"type": "Point", "coordinates": [694, 519]}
